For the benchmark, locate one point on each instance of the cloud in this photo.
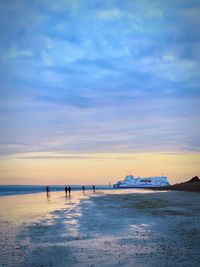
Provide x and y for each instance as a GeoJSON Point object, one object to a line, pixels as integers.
{"type": "Point", "coordinates": [110, 14]}
{"type": "Point", "coordinates": [99, 76]}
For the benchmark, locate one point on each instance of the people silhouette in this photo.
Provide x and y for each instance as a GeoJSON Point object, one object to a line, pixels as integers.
{"type": "Point", "coordinates": [93, 188]}
{"type": "Point", "coordinates": [66, 190]}
{"type": "Point", "coordinates": [69, 189]}
{"type": "Point", "coordinates": [48, 191]}
{"type": "Point", "coordinates": [83, 188]}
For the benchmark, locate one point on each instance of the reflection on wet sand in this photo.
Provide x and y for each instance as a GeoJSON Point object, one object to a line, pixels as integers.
{"type": "Point", "coordinates": [110, 228]}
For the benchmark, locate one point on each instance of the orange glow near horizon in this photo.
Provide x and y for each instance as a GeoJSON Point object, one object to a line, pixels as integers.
{"type": "Point", "coordinates": [43, 168]}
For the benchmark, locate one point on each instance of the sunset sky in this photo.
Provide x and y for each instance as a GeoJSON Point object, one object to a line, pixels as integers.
{"type": "Point", "coordinates": [93, 90]}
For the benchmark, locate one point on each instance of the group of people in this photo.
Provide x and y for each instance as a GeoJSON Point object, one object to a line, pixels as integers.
{"type": "Point", "coordinates": [93, 187]}
{"type": "Point", "coordinates": [68, 190]}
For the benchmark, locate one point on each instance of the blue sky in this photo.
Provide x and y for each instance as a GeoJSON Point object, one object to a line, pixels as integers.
{"type": "Point", "coordinates": [99, 76]}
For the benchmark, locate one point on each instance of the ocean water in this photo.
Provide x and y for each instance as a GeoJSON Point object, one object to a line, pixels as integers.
{"type": "Point", "coordinates": [6, 190]}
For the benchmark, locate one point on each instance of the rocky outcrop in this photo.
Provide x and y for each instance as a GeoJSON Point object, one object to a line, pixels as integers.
{"type": "Point", "coordinates": [194, 179]}
{"type": "Point", "coordinates": [192, 185]}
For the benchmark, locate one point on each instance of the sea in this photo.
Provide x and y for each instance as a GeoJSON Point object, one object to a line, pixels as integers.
{"type": "Point", "coordinates": [6, 190]}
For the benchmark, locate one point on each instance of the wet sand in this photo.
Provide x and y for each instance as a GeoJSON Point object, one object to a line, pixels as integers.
{"type": "Point", "coordinates": [116, 228]}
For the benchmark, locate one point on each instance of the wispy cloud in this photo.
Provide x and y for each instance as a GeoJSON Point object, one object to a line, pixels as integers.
{"type": "Point", "coordinates": [110, 14]}
{"type": "Point", "coordinates": [82, 76]}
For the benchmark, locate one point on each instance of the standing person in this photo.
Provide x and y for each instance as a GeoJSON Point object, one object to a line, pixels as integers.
{"type": "Point", "coordinates": [66, 190]}
{"type": "Point", "coordinates": [48, 191]}
{"type": "Point", "coordinates": [83, 187]}
{"type": "Point", "coordinates": [93, 188]}
{"type": "Point", "coordinates": [69, 189]}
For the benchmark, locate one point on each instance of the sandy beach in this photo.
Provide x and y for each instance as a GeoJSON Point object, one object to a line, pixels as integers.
{"type": "Point", "coordinates": [106, 228]}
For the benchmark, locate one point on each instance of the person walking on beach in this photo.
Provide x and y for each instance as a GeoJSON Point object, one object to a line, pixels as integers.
{"type": "Point", "coordinates": [69, 189]}
{"type": "Point", "coordinates": [48, 191]}
{"type": "Point", "coordinates": [93, 188]}
{"type": "Point", "coordinates": [66, 190]}
{"type": "Point", "coordinates": [83, 188]}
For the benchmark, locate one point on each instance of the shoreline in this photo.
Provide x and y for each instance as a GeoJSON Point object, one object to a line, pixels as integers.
{"type": "Point", "coordinates": [25, 190]}
{"type": "Point", "coordinates": [192, 185]}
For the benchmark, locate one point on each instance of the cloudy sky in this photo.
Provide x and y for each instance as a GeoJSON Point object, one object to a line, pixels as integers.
{"type": "Point", "coordinates": [95, 84]}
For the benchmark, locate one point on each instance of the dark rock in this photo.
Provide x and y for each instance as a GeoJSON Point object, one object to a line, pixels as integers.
{"type": "Point", "coordinates": [192, 185]}
{"type": "Point", "coordinates": [194, 179]}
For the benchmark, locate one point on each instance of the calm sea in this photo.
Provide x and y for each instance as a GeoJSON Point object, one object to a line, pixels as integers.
{"type": "Point", "coordinates": [6, 190]}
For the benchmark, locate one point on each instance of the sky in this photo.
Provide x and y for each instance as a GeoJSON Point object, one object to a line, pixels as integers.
{"type": "Point", "coordinates": [93, 90]}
